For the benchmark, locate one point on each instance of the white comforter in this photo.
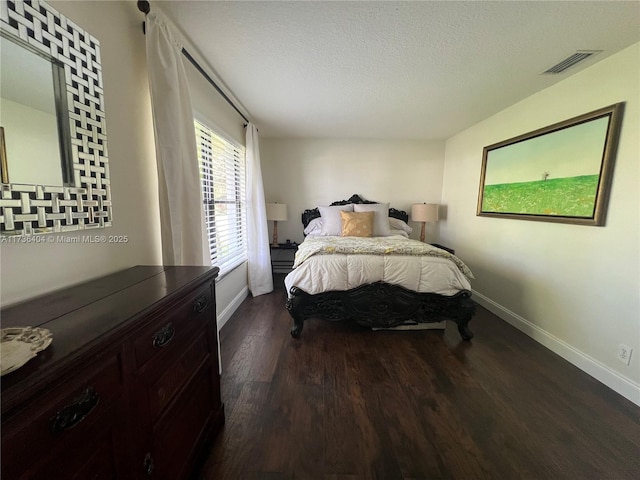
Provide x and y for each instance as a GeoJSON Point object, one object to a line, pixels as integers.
{"type": "Point", "coordinates": [331, 270]}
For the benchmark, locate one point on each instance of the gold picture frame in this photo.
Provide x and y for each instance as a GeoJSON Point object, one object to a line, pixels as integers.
{"type": "Point", "coordinates": [561, 173]}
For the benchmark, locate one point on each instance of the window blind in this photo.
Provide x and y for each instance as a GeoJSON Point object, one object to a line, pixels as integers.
{"type": "Point", "coordinates": [222, 178]}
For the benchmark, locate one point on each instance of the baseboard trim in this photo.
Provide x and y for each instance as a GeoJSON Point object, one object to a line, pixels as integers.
{"type": "Point", "coordinates": [612, 379]}
{"type": "Point", "coordinates": [225, 315]}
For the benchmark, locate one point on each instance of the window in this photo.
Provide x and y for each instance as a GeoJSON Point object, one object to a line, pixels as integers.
{"type": "Point", "coordinates": [222, 176]}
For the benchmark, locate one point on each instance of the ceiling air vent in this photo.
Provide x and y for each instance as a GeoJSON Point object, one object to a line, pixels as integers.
{"type": "Point", "coordinates": [570, 61]}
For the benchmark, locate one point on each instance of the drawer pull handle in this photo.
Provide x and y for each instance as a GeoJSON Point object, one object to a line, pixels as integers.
{"type": "Point", "coordinates": [148, 464]}
{"type": "Point", "coordinates": [164, 336]}
{"type": "Point", "coordinates": [201, 304]}
{"type": "Point", "coordinates": [71, 415]}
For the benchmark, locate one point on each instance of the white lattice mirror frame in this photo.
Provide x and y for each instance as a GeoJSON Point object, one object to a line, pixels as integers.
{"type": "Point", "coordinates": [85, 201]}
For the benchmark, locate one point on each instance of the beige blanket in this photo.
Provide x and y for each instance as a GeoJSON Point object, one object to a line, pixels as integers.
{"type": "Point", "coordinates": [392, 245]}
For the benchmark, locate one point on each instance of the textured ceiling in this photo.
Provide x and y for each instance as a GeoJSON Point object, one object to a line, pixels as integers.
{"type": "Point", "coordinates": [393, 69]}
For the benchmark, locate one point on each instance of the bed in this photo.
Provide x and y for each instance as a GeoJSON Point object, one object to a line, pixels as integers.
{"type": "Point", "coordinates": [386, 281]}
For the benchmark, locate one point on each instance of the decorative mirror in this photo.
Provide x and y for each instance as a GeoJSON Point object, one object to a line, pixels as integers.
{"type": "Point", "coordinates": [53, 141]}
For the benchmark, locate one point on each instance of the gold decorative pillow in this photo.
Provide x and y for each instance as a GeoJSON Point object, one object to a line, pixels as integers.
{"type": "Point", "coordinates": [357, 224]}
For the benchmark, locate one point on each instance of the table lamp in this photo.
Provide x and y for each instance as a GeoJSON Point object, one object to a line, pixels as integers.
{"type": "Point", "coordinates": [424, 212]}
{"type": "Point", "coordinates": [278, 213]}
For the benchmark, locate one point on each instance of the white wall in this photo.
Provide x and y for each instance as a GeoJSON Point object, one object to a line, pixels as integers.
{"type": "Point", "coordinates": [574, 288]}
{"type": "Point", "coordinates": [305, 173]}
{"type": "Point", "coordinates": [30, 269]}
{"type": "Point", "coordinates": [31, 141]}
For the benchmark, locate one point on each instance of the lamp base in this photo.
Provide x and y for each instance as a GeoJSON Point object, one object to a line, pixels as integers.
{"type": "Point", "coordinates": [274, 243]}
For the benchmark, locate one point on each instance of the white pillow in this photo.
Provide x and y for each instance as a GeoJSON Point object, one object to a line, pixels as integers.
{"type": "Point", "coordinates": [398, 227]}
{"type": "Point", "coordinates": [381, 221]}
{"type": "Point", "coordinates": [397, 224]}
{"type": "Point", "coordinates": [331, 221]}
{"type": "Point", "coordinates": [402, 233]}
{"type": "Point", "coordinates": [314, 227]}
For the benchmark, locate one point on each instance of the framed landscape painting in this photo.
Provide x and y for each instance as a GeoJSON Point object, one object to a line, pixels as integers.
{"type": "Point", "coordinates": [560, 173]}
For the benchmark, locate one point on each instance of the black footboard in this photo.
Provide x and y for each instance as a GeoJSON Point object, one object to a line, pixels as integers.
{"type": "Point", "coordinates": [381, 305]}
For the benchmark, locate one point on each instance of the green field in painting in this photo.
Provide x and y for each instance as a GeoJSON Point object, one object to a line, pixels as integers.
{"type": "Point", "coordinates": [570, 196]}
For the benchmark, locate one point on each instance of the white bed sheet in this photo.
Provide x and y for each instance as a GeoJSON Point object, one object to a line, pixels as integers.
{"type": "Point", "coordinates": [321, 273]}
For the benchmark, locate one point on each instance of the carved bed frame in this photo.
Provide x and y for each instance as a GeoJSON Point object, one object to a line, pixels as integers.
{"type": "Point", "coordinates": [378, 305]}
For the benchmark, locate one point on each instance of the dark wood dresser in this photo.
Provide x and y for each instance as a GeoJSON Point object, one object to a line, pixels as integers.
{"type": "Point", "coordinates": [128, 389]}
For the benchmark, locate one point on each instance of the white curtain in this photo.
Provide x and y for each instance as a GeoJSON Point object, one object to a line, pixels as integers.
{"type": "Point", "coordinates": [181, 209]}
{"type": "Point", "coordinates": [259, 253]}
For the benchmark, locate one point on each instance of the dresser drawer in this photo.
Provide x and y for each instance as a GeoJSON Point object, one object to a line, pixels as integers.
{"type": "Point", "coordinates": [100, 464]}
{"type": "Point", "coordinates": [175, 376]}
{"type": "Point", "coordinates": [96, 458]}
{"type": "Point", "coordinates": [172, 324]}
{"type": "Point", "coordinates": [59, 421]}
{"type": "Point", "coordinates": [174, 444]}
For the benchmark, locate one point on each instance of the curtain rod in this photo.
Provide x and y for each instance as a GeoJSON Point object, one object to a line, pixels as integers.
{"type": "Point", "coordinates": [145, 7]}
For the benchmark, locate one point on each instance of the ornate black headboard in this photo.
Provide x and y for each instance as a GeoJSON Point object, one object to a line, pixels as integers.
{"type": "Point", "coordinates": [309, 215]}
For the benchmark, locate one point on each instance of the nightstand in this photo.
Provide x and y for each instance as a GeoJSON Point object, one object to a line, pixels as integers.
{"type": "Point", "coordinates": [282, 257]}
{"type": "Point", "coordinates": [450, 250]}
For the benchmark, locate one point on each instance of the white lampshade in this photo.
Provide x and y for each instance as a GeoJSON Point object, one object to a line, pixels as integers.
{"type": "Point", "coordinates": [424, 212]}
{"type": "Point", "coordinates": [277, 211]}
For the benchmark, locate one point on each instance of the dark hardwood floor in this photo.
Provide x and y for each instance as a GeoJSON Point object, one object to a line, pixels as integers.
{"type": "Point", "coordinates": [344, 403]}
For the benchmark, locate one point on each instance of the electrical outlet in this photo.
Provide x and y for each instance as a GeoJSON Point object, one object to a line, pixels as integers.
{"type": "Point", "coordinates": [624, 353]}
